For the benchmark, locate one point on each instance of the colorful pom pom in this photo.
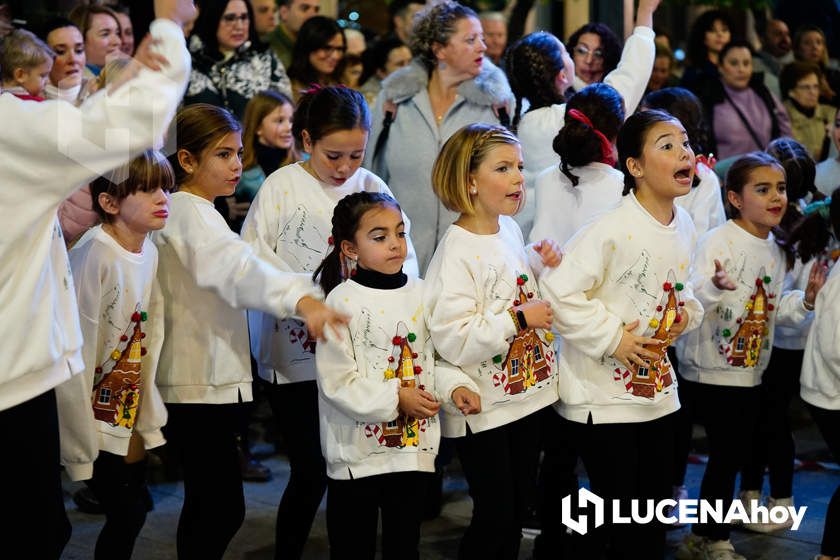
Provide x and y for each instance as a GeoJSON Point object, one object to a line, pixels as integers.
{"type": "Point", "coordinates": [653, 323]}
{"type": "Point", "coordinates": [666, 286]}
{"type": "Point", "coordinates": [679, 286]}
{"type": "Point", "coordinates": [412, 337]}
{"type": "Point", "coordinates": [497, 359]}
{"type": "Point", "coordinates": [396, 341]}
{"type": "Point", "coordinates": [727, 333]}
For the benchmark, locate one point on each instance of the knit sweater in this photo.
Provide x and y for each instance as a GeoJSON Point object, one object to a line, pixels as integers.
{"type": "Point", "coordinates": [289, 224]}
{"type": "Point", "coordinates": [820, 380]}
{"type": "Point", "coordinates": [472, 282]}
{"type": "Point", "coordinates": [733, 344]}
{"type": "Point", "coordinates": [121, 315]}
{"type": "Point", "coordinates": [623, 267]}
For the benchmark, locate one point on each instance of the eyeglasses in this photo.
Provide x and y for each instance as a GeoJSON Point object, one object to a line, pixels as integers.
{"type": "Point", "coordinates": [230, 19]}
{"type": "Point", "coordinates": [584, 51]}
{"type": "Point", "coordinates": [808, 87]}
{"type": "Point", "coordinates": [329, 51]}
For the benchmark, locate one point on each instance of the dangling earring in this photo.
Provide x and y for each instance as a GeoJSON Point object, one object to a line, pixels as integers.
{"type": "Point", "coordinates": [473, 190]}
{"type": "Point", "coordinates": [348, 267]}
{"type": "Point", "coordinates": [441, 65]}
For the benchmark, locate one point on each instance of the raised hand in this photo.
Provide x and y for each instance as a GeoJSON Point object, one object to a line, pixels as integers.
{"type": "Point", "coordinates": [179, 11]}
{"type": "Point", "coordinates": [549, 252]}
{"type": "Point", "coordinates": [317, 316]}
{"type": "Point", "coordinates": [721, 279]}
{"type": "Point", "coordinates": [816, 280]}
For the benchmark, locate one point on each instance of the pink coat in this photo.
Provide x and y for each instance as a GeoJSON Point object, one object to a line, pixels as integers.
{"type": "Point", "coordinates": [76, 215]}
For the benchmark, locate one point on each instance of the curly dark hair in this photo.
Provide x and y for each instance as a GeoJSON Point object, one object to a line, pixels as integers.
{"type": "Point", "coordinates": [697, 54]}
{"type": "Point", "coordinates": [610, 43]}
{"type": "Point", "coordinates": [532, 64]}
{"type": "Point", "coordinates": [436, 25]}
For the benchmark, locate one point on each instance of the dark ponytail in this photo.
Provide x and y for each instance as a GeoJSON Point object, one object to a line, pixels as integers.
{"type": "Point", "coordinates": [631, 141]}
{"type": "Point", "coordinates": [345, 221]}
{"type": "Point", "coordinates": [532, 65]}
{"type": "Point", "coordinates": [577, 143]}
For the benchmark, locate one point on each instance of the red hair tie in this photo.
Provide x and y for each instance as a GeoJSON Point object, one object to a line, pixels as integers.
{"type": "Point", "coordinates": [313, 88]}
{"type": "Point", "coordinates": [709, 161]}
{"type": "Point", "coordinates": [606, 146]}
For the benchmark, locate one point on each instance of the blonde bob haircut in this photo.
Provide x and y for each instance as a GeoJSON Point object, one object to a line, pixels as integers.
{"type": "Point", "coordinates": [460, 157]}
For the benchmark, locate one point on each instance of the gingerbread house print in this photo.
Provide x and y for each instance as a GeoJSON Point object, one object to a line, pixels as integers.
{"type": "Point", "coordinates": [526, 363]}
{"type": "Point", "coordinates": [116, 396]}
{"type": "Point", "coordinates": [652, 378]}
{"type": "Point", "coordinates": [744, 348]}
{"type": "Point", "coordinates": [404, 430]}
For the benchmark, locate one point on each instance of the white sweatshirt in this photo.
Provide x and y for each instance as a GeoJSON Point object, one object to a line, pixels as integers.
{"type": "Point", "coordinates": [289, 225]}
{"type": "Point", "coordinates": [794, 337]}
{"type": "Point", "coordinates": [704, 203]}
{"type": "Point", "coordinates": [471, 283]}
{"type": "Point", "coordinates": [820, 380]}
{"type": "Point", "coordinates": [538, 128]}
{"type": "Point", "coordinates": [208, 277]}
{"type": "Point", "coordinates": [49, 150]}
{"type": "Point", "coordinates": [624, 266]}
{"type": "Point", "coordinates": [385, 344]}
{"type": "Point", "coordinates": [562, 208]}
{"type": "Point", "coordinates": [733, 344]}
{"type": "Point", "coordinates": [116, 394]}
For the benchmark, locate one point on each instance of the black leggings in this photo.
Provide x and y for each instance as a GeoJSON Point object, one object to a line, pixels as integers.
{"type": "Point", "coordinates": [121, 489]}
{"type": "Point", "coordinates": [773, 444]}
{"type": "Point", "coordinates": [828, 421]}
{"type": "Point", "coordinates": [295, 407]}
{"type": "Point", "coordinates": [203, 438]}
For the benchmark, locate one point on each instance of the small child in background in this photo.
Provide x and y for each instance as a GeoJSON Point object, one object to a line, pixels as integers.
{"type": "Point", "coordinates": [738, 275]}
{"type": "Point", "coordinates": [820, 381]}
{"type": "Point", "coordinates": [621, 298]}
{"type": "Point", "coordinates": [113, 409]}
{"type": "Point", "coordinates": [25, 64]}
{"type": "Point", "coordinates": [379, 388]}
{"type": "Point", "coordinates": [485, 315]}
{"type": "Point", "coordinates": [585, 183]}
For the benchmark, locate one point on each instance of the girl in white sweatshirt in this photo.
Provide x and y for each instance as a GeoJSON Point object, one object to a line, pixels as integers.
{"type": "Point", "coordinates": [620, 298]}
{"type": "Point", "coordinates": [208, 276]}
{"type": "Point", "coordinates": [483, 310]}
{"type": "Point", "coordinates": [820, 381]}
{"type": "Point", "coordinates": [738, 275]}
{"type": "Point", "coordinates": [586, 183]}
{"type": "Point", "coordinates": [112, 413]}
{"type": "Point", "coordinates": [289, 225]}
{"type": "Point", "coordinates": [379, 388]}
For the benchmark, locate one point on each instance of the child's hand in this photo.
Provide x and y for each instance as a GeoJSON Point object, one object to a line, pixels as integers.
{"type": "Point", "coordinates": [549, 252]}
{"type": "Point", "coordinates": [631, 350]}
{"type": "Point", "coordinates": [144, 56]}
{"type": "Point", "coordinates": [537, 313]}
{"type": "Point", "coordinates": [816, 280]}
{"type": "Point", "coordinates": [417, 403]}
{"type": "Point", "coordinates": [678, 328]}
{"type": "Point", "coordinates": [468, 402]}
{"type": "Point", "coordinates": [315, 314]}
{"type": "Point", "coordinates": [721, 279]}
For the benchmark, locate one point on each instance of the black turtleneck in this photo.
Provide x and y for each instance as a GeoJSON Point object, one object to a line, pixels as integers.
{"type": "Point", "coordinates": [269, 158]}
{"type": "Point", "coordinates": [807, 112]}
{"type": "Point", "coordinates": [378, 280]}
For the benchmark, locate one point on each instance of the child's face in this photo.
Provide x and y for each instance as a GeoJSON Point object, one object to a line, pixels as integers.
{"type": "Point", "coordinates": [763, 200]}
{"type": "Point", "coordinates": [499, 183]}
{"type": "Point", "coordinates": [34, 80]}
{"type": "Point", "coordinates": [379, 243]}
{"type": "Point", "coordinates": [275, 130]}
{"type": "Point", "coordinates": [666, 167]}
{"type": "Point", "coordinates": [69, 48]}
{"type": "Point", "coordinates": [102, 39]}
{"type": "Point", "coordinates": [143, 212]}
{"type": "Point", "coordinates": [219, 168]}
{"type": "Point", "coordinates": [836, 132]}
{"type": "Point", "coordinates": [336, 156]}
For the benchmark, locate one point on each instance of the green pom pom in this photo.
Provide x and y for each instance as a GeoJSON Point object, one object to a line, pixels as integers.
{"type": "Point", "coordinates": [143, 315]}
{"type": "Point", "coordinates": [766, 279]}
{"type": "Point", "coordinates": [679, 286]}
{"type": "Point", "coordinates": [497, 359]}
{"type": "Point", "coordinates": [727, 333]}
{"type": "Point", "coordinates": [524, 277]}
{"type": "Point", "coordinates": [412, 337]}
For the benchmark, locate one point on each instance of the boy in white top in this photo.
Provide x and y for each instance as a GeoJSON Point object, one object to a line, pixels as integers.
{"type": "Point", "coordinates": [39, 169]}
{"type": "Point", "coordinates": [113, 408]}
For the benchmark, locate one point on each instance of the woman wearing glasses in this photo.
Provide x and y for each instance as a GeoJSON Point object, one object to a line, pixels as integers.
{"type": "Point", "coordinates": [800, 85]}
{"type": "Point", "coordinates": [596, 50]}
{"type": "Point", "coordinates": [318, 55]}
{"type": "Point", "coordinates": [229, 63]}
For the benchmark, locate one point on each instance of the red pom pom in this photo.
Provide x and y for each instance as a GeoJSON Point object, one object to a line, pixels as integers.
{"type": "Point", "coordinates": [135, 316]}
{"type": "Point", "coordinates": [678, 318]}
{"type": "Point", "coordinates": [142, 351]}
{"type": "Point", "coordinates": [142, 335]}
{"type": "Point", "coordinates": [758, 282]}
{"type": "Point", "coordinates": [681, 304]}
{"type": "Point", "coordinates": [391, 359]}
{"type": "Point", "coordinates": [414, 355]}
{"type": "Point", "coordinates": [770, 307]}
{"type": "Point", "coordinates": [98, 370]}
{"type": "Point", "coordinates": [659, 308]}
{"type": "Point", "coordinates": [515, 302]}
{"type": "Point", "coordinates": [417, 369]}
{"type": "Point", "coordinates": [396, 341]}
{"type": "Point", "coordinates": [330, 240]}
{"type": "Point", "coordinates": [530, 294]}
{"type": "Point", "coordinates": [666, 286]}
{"type": "Point", "coordinates": [520, 281]}
{"type": "Point", "coordinates": [738, 320]}
{"type": "Point", "coordinates": [123, 338]}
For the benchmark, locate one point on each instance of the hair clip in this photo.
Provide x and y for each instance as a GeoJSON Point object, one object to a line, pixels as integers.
{"type": "Point", "coordinates": [821, 206]}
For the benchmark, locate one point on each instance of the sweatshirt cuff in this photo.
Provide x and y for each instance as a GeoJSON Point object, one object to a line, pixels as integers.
{"type": "Point", "coordinates": [79, 471]}
{"type": "Point", "coordinates": [162, 26]}
{"type": "Point", "coordinates": [645, 32]}
{"type": "Point", "coordinates": [613, 346]}
{"type": "Point", "coordinates": [153, 439]}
